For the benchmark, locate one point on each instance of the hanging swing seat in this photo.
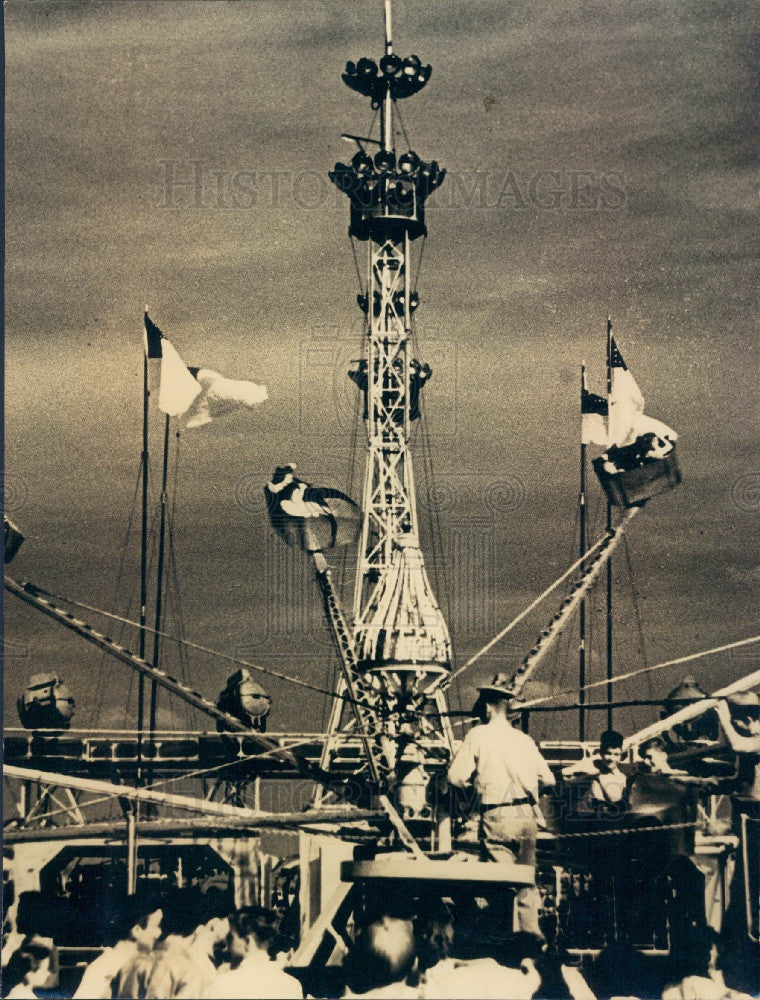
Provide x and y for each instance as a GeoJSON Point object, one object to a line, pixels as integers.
{"type": "Point", "coordinates": [633, 487]}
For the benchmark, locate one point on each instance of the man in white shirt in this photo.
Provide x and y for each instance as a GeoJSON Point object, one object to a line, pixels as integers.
{"type": "Point", "coordinates": [254, 975]}
{"type": "Point", "coordinates": [98, 981]}
{"type": "Point", "coordinates": [508, 772]}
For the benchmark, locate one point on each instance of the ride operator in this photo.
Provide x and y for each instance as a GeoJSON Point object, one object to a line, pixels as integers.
{"type": "Point", "coordinates": [508, 771]}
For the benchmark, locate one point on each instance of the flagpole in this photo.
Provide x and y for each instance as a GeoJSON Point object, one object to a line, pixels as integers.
{"type": "Point", "coordinates": [609, 528]}
{"type": "Point", "coordinates": [132, 860]}
{"type": "Point", "coordinates": [159, 591]}
{"type": "Point", "coordinates": [582, 609]}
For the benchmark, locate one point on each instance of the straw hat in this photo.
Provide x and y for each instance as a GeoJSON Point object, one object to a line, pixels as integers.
{"type": "Point", "coordinates": [501, 686]}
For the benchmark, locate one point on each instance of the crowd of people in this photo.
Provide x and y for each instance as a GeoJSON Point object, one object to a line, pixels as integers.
{"type": "Point", "coordinates": [470, 945]}
{"type": "Point", "coordinates": [442, 949]}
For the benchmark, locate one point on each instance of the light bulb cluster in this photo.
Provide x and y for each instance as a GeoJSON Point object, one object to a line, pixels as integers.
{"type": "Point", "coordinates": [387, 180]}
{"type": "Point", "coordinates": [398, 303]}
{"type": "Point", "coordinates": [403, 77]}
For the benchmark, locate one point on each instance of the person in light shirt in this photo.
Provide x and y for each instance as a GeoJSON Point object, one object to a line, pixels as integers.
{"type": "Point", "coordinates": [28, 969]}
{"type": "Point", "coordinates": [253, 975]}
{"type": "Point", "coordinates": [509, 970]}
{"type": "Point", "coordinates": [508, 772]}
{"type": "Point", "coordinates": [101, 976]}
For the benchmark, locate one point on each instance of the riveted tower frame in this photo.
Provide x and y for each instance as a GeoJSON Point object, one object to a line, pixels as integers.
{"type": "Point", "coordinates": [401, 640]}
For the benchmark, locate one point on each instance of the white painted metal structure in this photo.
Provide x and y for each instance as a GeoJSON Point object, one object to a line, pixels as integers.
{"type": "Point", "coordinates": [401, 639]}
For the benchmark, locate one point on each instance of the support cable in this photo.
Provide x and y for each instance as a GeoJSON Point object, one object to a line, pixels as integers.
{"type": "Point", "coordinates": [523, 614]}
{"type": "Point", "coordinates": [643, 670]}
{"type": "Point", "coordinates": [36, 591]}
{"type": "Point", "coordinates": [100, 683]}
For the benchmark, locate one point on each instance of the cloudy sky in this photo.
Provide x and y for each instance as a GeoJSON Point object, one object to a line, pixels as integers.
{"type": "Point", "coordinates": [601, 157]}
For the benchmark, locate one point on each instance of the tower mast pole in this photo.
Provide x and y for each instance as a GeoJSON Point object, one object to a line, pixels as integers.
{"type": "Point", "coordinates": [134, 807]}
{"type": "Point", "coordinates": [582, 609]}
{"type": "Point", "coordinates": [401, 639]}
{"type": "Point", "coordinates": [609, 528]}
{"type": "Point", "coordinates": [387, 106]}
{"type": "Point", "coordinates": [159, 591]}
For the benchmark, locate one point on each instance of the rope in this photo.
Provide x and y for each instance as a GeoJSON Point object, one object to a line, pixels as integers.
{"type": "Point", "coordinates": [187, 642]}
{"type": "Point", "coordinates": [643, 670]}
{"type": "Point", "coordinates": [397, 109]}
{"type": "Point", "coordinates": [515, 621]}
{"type": "Point", "coordinates": [100, 683]}
{"type": "Point", "coordinates": [159, 733]}
{"type": "Point", "coordinates": [356, 264]}
{"type": "Point", "coordinates": [637, 613]}
{"type": "Point", "coordinates": [627, 831]}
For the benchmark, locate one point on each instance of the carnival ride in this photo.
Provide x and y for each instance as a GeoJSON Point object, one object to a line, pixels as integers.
{"type": "Point", "coordinates": [379, 813]}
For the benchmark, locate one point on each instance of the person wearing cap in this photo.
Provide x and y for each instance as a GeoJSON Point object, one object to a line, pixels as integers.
{"type": "Point", "coordinates": [508, 772]}
{"type": "Point", "coordinates": [739, 719]}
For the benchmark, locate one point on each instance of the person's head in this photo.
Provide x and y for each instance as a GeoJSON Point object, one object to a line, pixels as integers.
{"type": "Point", "coordinates": [30, 964]}
{"type": "Point", "coordinates": [494, 698]}
{"type": "Point", "coordinates": [433, 934]}
{"type": "Point", "coordinates": [383, 954]}
{"type": "Point", "coordinates": [144, 918]}
{"type": "Point", "coordinates": [495, 706]}
{"type": "Point", "coordinates": [654, 756]}
{"type": "Point", "coordinates": [698, 953]}
{"type": "Point", "coordinates": [211, 935]}
{"type": "Point", "coordinates": [251, 929]}
{"type": "Point", "coordinates": [611, 748]}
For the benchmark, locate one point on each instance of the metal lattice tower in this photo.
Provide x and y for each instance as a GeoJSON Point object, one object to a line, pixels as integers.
{"type": "Point", "coordinates": [401, 640]}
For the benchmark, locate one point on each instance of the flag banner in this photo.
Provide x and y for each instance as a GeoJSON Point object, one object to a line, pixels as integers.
{"type": "Point", "coordinates": [594, 411]}
{"type": "Point", "coordinates": [178, 388]}
{"type": "Point", "coordinates": [626, 406]}
{"type": "Point", "coordinates": [13, 539]}
{"type": "Point", "coordinates": [616, 358]}
{"type": "Point", "coordinates": [219, 395]}
{"type": "Point", "coordinates": [312, 518]}
{"type": "Point", "coordinates": [198, 394]}
{"type": "Point", "coordinates": [153, 337]}
{"type": "Point", "coordinates": [628, 425]}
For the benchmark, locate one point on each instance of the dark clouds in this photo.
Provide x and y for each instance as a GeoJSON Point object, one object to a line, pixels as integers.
{"type": "Point", "coordinates": [105, 100]}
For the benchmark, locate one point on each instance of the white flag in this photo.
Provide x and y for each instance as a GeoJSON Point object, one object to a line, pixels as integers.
{"type": "Point", "coordinates": [626, 406]}
{"type": "Point", "coordinates": [627, 420]}
{"type": "Point", "coordinates": [218, 395]}
{"type": "Point", "coordinates": [178, 388]}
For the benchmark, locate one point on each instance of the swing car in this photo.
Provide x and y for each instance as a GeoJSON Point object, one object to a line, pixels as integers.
{"type": "Point", "coordinates": [634, 485]}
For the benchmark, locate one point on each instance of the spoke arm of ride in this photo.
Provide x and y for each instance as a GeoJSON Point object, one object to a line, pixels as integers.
{"type": "Point", "coordinates": [523, 614]}
{"type": "Point", "coordinates": [25, 592]}
{"type": "Point", "coordinates": [547, 639]}
{"type": "Point", "coordinates": [692, 711]}
{"type": "Point", "coordinates": [189, 803]}
{"type": "Point", "coordinates": [350, 665]}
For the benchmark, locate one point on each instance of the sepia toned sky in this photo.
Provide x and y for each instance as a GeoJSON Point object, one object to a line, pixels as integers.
{"type": "Point", "coordinates": [602, 157]}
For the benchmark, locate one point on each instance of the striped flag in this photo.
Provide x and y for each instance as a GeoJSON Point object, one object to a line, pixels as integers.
{"type": "Point", "coordinates": [200, 395]}
{"type": "Point", "coordinates": [627, 420]}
